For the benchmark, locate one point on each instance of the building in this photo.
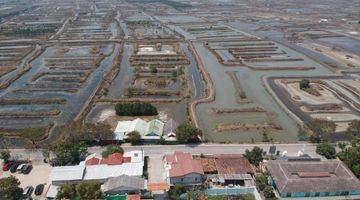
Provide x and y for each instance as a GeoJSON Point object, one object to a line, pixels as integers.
{"type": "Point", "coordinates": [123, 184]}
{"type": "Point", "coordinates": [181, 168]}
{"type": "Point", "coordinates": [151, 130]}
{"type": "Point", "coordinates": [228, 174]}
{"type": "Point", "coordinates": [96, 168]}
{"type": "Point", "coordinates": [312, 178]}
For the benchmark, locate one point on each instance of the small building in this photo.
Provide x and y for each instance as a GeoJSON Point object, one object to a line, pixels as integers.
{"type": "Point", "coordinates": [151, 130]}
{"type": "Point", "coordinates": [123, 184]}
{"type": "Point", "coordinates": [181, 168]}
{"type": "Point", "coordinates": [170, 128]}
{"type": "Point", "coordinates": [312, 178]}
{"type": "Point", "coordinates": [96, 168]}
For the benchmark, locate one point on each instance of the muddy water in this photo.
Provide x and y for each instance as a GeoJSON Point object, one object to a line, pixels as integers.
{"type": "Point", "coordinates": [74, 103]}
{"type": "Point", "coordinates": [123, 79]}
{"type": "Point", "coordinates": [255, 91]}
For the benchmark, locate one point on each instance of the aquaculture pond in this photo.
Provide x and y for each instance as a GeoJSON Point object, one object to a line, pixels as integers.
{"type": "Point", "coordinates": [253, 86]}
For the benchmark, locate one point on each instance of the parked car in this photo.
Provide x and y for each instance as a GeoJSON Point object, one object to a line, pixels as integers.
{"type": "Point", "coordinates": [28, 191]}
{"type": "Point", "coordinates": [19, 168]}
{"type": "Point", "coordinates": [13, 167]}
{"type": "Point", "coordinates": [39, 189]}
{"type": "Point", "coordinates": [6, 166]}
{"type": "Point", "coordinates": [26, 169]}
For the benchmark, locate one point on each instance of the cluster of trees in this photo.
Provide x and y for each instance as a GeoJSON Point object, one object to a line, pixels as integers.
{"type": "Point", "coordinates": [33, 31]}
{"type": "Point", "coordinates": [5, 155]}
{"type": "Point", "coordinates": [153, 69]}
{"type": "Point", "coordinates": [327, 150]}
{"type": "Point", "coordinates": [351, 156]}
{"type": "Point", "coordinates": [87, 132]}
{"type": "Point", "coordinates": [187, 133]}
{"type": "Point", "coordinates": [83, 190]}
{"type": "Point", "coordinates": [262, 185]}
{"type": "Point", "coordinates": [320, 129]}
{"type": "Point", "coordinates": [66, 152]}
{"type": "Point", "coordinates": [255, 156]}
{"type": "Point", "coordinates": [134, 138]}
{"type": "Point", "coordinates": [10, 188]}
{"type": "Point", "coordinates": [135, 109]}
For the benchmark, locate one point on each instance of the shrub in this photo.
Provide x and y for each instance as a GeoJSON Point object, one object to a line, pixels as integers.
{"type": "Point", "coordinates": [134, 137]}
{"type": "Point", "coordinates": [112, 149]}
{"type": "Point", "coordinates": [135, 109]}
{"type": "Point", "coordinates": [304, 84]}
{"type": "Point", "coordinates": [326, 150]}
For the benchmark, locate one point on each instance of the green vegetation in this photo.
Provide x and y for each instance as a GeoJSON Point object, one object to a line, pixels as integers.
{"type": "Point", "coordinates": [304, 84]}
{"type": "Point", "coordinates": [176, 191]}
{"type": "Point", "coordinates": [268, 192]}
{"type": "Point", "coordinates": [32, 31]}
{"type": "Point", "coordinates": [153, 69]}
{"type": "Point", "coordinates": [112, 149]}
{"type": "Point", "coordinates": [261, 182]}
{"type": "Point", "coordinates": [267, 135]}
{"type": "Point", "coordinates": [88, 132]}
{"type": "Point", "coordinates": [321, 129]}
{"type": "Point", "coordinates": [83, 190]}
{"type": "Point", "coordinates": [69, 152]}
{"type": "Point", "coordinates": [327, 150]}
{"type": "Point", "coordinates": [5, 155]}
{"type": "Point", "coordinates": [351, 156]}
{"type": "Point", "coordinates": [354, 128]}
{"type": "Point", "coordinates": [134, 137]}
{"type": "Point", "coordinates": [187, 133]}
{"type": "Point", "coordinates": [255, 156]}
{"type": "Point", "coordinates": [9, 188]}
{"type": "Point", "coordinates": [135, 109]}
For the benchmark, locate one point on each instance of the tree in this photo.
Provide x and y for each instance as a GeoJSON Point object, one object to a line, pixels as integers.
{"type": "Point", "coordinates": [354, 128]}
{"type": "Point", "coordinates": [5, 155]}
{"type": "Point", "coordinates": [135, 109]}
{"type": "Point", "coordinates": [268, 192]}
{"type": "Point", "coordinates": [267, 135]}
{"type": "Point", "coordinates": [153, 69]}
{"type": "Point", "coordinates": [249, 196]}
{"type": "Point", "coordinates": [66, 191]}
{"type": "Point", "coordinates": [88, 190]}
{"type": "Point", "coordinates": [176, 191]}
{"type": "Point", "coordinates": [9, 188]}
{"type": "Point", "coordinates": [88, 132]}
{"type": "Point", "coordinates": [261, 182]}
{"type": "Point", "coordinates": [70, 152]}
{"type": "Point", "coordinates": [187, 133]}
{"type": "Point", "coordinates": [304, 84]}
{"type": "Point", "coordinates": [351, 156]}
{"type": "Point", "coordinates": [255, 156]}
{"type": "Point", "coordinates": [112, 149]}
{"type": "Point", "coordinates": [327, 150]}
{"type": "Point", "coordinates": [134, 137]}
{"type": "Point", "coordinates": [342, 145]}
{"type": "Point", "coordinates": [46, 154]}
{"type": "Point", "coordinates": [321, 129]}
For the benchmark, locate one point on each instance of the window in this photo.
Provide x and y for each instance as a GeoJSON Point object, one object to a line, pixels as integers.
{"type": "Point", "coordinates": [307, 194]}
{"type": "Point", "coordinates": [327, 194]}
{"type": "Point", "coordinates": [317, 194]}
{"type": "Point", "coordinates": [195, 179]}
{"type": "Point", "coordinates": [288, 194]}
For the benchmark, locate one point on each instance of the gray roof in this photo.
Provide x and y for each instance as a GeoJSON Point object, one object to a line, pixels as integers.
{"type": "Point", "coordinates": [123, 182]}
{"type": "Point", "coordinates": [312, 176]}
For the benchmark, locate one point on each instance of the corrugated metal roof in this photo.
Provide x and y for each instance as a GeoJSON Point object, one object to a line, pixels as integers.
{"type": "Point", "coordinates": [67, 173]}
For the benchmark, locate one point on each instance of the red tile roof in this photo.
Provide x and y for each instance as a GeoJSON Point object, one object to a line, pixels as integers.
{"type": "Point", "coordinates": [183, 164]}
{"type": "Point", "coordinates": [93, 161]}
{"type": "Point", "coordinates": [313, 174]}
{"type": "Point", "coordinates": [113, 159]}
{"type": "Point", "coordinates": [163, 186]}
{"type": "Point", "coordinates": [133, 197]}
{"type": "Point", "coordinates": [232, 164]}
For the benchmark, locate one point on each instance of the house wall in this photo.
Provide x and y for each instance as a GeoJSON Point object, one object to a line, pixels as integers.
{"type": "Point", "coordinates": [192, 178]}
{"type": "Point", "coordinates": [320, 194]}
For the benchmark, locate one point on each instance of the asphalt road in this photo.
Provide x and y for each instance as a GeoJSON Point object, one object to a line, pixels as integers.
{"type": "Point", "coordinates": [159, 150]}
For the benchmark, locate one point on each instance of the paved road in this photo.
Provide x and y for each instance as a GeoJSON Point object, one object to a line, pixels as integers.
{"type": "Point", "coordinates": [158, 150]}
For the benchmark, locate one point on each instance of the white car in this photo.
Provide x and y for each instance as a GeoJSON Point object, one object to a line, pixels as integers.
{"type": "Point", "coordinates": [19, 168]}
